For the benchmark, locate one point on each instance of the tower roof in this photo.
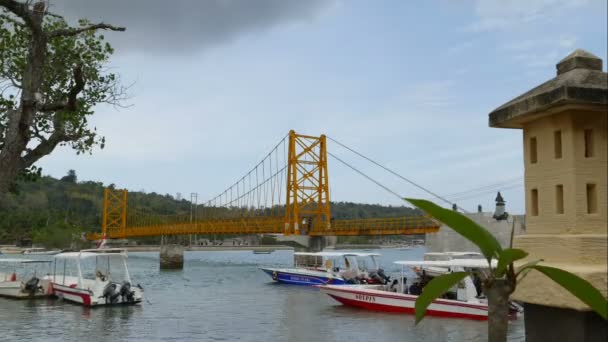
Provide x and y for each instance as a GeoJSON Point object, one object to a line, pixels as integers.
{"type": "Point", "coordinates": [499, 197]}
{"type": "Point", "coordinates": [579, 81]}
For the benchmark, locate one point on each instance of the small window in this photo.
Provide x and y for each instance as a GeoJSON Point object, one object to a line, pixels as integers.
{"type": "Point", "coordinates": [591, 199]}
{"type": "Point", "coordinates": [559, 199]}
{"type": "Point", "coordinates": [533, 156]}
{"type": "Point", "coordinates": [588, 143]}
{"type": "Point", "coordinates": [534, 202]}
{"type": "Point", "coordinates": [557, 144]}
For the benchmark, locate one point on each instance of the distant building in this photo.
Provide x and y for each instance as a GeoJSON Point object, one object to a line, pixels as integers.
{"type": "Point", "coordinates": [447, 240]}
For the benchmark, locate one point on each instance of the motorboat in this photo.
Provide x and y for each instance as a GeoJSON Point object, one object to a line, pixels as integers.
{"type": "Point", "coordinates": [462, 301]}
{"type": "Point", "coordinates": [94, 277]}
{"type": "Point", "coordinates": [23, 279]}
{"type": "Point", "coordinates": [263, 251]}
{"type": "Point", "coordinates": [40, 251]}
{"type": "Point", "coordinates": [329, 268]}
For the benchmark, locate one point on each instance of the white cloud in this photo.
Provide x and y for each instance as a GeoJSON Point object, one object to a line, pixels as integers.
{"type": "Point", "coordinates": [512, 14]}
{"type": "Point", "coordinates": [540, 53]}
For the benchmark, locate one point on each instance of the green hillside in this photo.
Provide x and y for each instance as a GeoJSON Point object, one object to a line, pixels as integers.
{"type": "Point", "coordinates": [55, 212]}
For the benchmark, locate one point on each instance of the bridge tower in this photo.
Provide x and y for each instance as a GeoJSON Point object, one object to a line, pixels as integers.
{"type": "Point", "coordinates": [307, 204]}
{"type": "Point", "coordinates": [114, 211]}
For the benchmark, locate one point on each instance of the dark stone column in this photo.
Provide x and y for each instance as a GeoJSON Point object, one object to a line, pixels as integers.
{"type": "Point", "coordinates": [171, 257]}
{"type": "Point", "coordinates": [316, 243]}
{"type": "Point", "coordinates": [546, 323]}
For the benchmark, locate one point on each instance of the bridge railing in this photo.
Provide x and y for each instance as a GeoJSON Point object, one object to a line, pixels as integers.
{"type": "Point", "coordinates": [244, 225]}
{"type": "Point", "coordinates": [380, 226]}
{"type": "Point", "coordinates": [275, 225]}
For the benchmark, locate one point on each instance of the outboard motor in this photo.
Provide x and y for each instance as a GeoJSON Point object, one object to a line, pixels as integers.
{"type": "Point", "coordinates": [110, 293]}
{"type": "Point", "coordinates": [385, 279]}
{"type": "Point", "coordinates": [31, 285]}
{"type": "Point", "coordinates": [128, 295]}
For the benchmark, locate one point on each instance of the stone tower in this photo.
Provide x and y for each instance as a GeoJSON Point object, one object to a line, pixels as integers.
{"type": "Point", "coordinates": [564, 123]}
{"type": "Point", "coordinates": [500, 213]}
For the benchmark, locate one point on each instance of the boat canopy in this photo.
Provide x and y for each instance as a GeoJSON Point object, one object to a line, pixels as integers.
{"type": "Point", "coordinates": [454, 254]}
{"type": "Point", "coordinates": [469, 263]}
{"type": "Point", "coordinates": [337, 254]}
{"type": "Point", "coordinates": [91, 253]}
{"type": "Point", "coordinates": [24, 261]}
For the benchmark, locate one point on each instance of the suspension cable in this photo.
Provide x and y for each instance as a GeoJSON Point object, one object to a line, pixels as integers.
{"type": "Point", "coordinates": [396, 174]}
{"type": "Point", "coordinates": [366, 176]}
{"type": "Point", "coordinates": [275, 149]}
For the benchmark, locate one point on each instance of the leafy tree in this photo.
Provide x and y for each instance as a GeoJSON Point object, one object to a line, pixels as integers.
{"type": "Point", "coordinates": [501, 282]}
{"type": "Point", "coordinates": [70, 177]}
{"type": "Point", "coordinates": [51, 77]}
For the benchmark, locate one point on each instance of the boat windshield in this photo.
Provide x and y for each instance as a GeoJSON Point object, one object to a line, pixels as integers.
{"type": "Point", "coordinates": [92, 266]}
{"type": "Point", "coordinates": [367, 263]}
{"type": "Point", "coordinates": [108, 266]}
{"type": "Point", "coordinates": [23, 269]}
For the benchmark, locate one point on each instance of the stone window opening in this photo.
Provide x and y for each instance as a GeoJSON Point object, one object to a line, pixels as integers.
{"type": "Point", "coordinates": [533, 152]}
{"type": "Point", "coordinates": [559, 199]}
{"type": "Point", "coordinates": [588, 143]}
{"type": "Point", "coordinates": [557, 144]}
{"type": "Point", "coordinates": [534, 202]}
{"type": "Point", "coordinates": [591, 199]}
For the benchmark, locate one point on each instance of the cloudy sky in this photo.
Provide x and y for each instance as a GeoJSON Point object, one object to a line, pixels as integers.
{"type": "Point", "coordinates": [218, 82]}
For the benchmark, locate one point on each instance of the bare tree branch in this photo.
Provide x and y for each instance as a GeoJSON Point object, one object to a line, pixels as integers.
{"type": "Point", "coordinates": [50, 14]}
{"type": "Point", "coordinates": [70, 104]}
{"type": "Point", "coordinates": [76, 31]}
{"type": "Point", "coordinates": [45, 147]}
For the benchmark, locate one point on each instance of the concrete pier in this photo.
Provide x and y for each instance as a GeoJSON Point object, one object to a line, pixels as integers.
{"type": "Point", "coordinates": [317, 243]}
{"type": "Point", "coordinates": [171, 257]}
{"type": "Point", "coordinates": [311, 243]}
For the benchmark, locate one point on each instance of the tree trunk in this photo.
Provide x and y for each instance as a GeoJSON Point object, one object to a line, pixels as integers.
{"type": "Point", "coordinates": [20, 120]}
{"type": "Point", "coordinates": [498, 309]}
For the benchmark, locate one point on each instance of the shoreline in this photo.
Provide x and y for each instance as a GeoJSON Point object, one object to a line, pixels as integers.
{"type": "Point", "coordinates": [156, 248]}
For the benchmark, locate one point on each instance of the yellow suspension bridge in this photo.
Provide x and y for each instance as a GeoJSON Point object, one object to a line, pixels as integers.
{"type": "Point", "coordinates": [286, 193]}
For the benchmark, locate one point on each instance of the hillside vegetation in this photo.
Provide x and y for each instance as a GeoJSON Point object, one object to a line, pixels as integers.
{"type": "Point", "coordinates": [55, 212]}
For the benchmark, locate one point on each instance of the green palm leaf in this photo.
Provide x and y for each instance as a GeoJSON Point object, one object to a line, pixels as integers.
{"type": "Point", "coordinates": [507, 256]}
{"type": "Point", "coordinates": [579, 287]}
{"type": "Point", "coordinates": [487, 243]}
{"type": "Point", "coordinates": [435, 288]}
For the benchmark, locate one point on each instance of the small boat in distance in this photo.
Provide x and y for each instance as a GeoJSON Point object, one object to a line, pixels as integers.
{"type": "Point", "coordinates": [94, 277]}
{"type": "Point", "coordinates": [40, 251]}
{"type": "Point", "coordinates": [462, 301]}
{"type": "Point", "coordinates": [329, 268]}
{"type": "Point", "coordinates": [22, 279]}
{"type": "Point", "coordinates": [263, 251]}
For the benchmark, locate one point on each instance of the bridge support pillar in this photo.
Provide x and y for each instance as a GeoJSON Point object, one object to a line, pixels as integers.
{"type": "Point", "coordinates": [318, 243]}
{"type": "Point", "coordinates": [171, 257]}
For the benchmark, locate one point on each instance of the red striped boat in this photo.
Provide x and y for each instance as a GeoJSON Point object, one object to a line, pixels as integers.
{"type": "Point", "coordinates": [462, 301]}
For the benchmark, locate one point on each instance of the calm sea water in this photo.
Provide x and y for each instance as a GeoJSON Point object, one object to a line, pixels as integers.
{"type": "Point", "coordinates": [222, 296]}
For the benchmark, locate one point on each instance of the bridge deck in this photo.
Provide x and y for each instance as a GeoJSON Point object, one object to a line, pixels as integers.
{"type": "Point", "coordinates": [275, 225]}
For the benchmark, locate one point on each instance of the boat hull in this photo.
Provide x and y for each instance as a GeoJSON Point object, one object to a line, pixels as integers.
{"type": "Point", "coordinates": [297, 277]}
{"type": "Point", "coordinates": [87, 297]}
{"type": "Point", "coordinates": [13, 289]}
{"type": "Point", "coordinates": [366, 297]}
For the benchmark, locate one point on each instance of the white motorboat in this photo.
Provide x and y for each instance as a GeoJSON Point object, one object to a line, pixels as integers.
{"type": "Point", "coordinates": [21, 278]}
{"type": "Point", "coordinates": [41, 251]}
{"type": "Point", "coordinates": [462, 301]}
{"type": "Point", "coordinates": [94, 277]}
{"type": "Point", "coordinates": [329, 268]}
